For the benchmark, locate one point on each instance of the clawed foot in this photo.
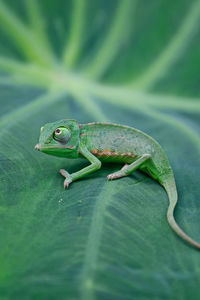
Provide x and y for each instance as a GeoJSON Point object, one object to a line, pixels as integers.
{"type": "Point", "coordinates": [115, 175]}
{"type": "Point", "coordinates": [68, 177]}
{"type": "Point", "coordinates": [67, 182]}
{"type": "Point", "coordinates": [118, 174]}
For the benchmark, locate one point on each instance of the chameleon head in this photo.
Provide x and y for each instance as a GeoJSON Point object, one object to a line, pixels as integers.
{"type": "Point", "coordinates": [60, 138]}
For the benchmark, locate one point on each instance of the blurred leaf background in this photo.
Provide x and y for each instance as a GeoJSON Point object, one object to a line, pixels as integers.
{"type": "Point", "coordinates": [131, 62]}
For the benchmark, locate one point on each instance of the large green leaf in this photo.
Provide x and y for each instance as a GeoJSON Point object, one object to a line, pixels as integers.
{"type": "Point", "coordinates": [129, 62]}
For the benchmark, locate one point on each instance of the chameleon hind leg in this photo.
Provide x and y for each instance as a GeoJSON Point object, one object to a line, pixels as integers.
{"type": "Point", "coordinates": [128, 169]}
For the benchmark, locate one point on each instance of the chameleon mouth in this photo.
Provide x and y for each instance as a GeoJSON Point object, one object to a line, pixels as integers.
{"type": "Point", "coordinates": [40, 148]}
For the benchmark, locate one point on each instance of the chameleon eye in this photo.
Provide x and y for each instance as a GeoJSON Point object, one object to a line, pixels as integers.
{"type": "Point", "coordinates": [61, 134]}
{"type": "Point", "coordinates": [58, 131]}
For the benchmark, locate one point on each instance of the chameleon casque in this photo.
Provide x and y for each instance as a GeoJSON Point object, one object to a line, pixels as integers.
{"type": "Point", "coordinates": [104, 142]}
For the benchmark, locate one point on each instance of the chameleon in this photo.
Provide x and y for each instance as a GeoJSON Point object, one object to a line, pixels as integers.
{"type": "Point", "coordinates": [107, 142]}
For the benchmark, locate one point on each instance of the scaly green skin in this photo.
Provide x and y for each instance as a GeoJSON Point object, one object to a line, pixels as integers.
{"type": "Point", "coordinates": [103, 142]}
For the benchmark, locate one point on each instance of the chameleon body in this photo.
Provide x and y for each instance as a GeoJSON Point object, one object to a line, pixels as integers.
{"type": "Point", "coordinates": [105, 142]}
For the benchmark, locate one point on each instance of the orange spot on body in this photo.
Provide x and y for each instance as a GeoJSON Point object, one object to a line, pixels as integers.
{"type": "Point", "coordinates": [94, 151]}
{"type": "Point", "coordinates": [123, 154]}
{"type": "Point", "coordinates": [111, 154]}
{"type": "Point", "coordinates": [104, 152]}
{"type": "Point", "coordinates": [114, 154]}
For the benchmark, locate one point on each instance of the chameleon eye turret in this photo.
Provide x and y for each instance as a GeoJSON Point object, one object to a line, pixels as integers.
{"type": "Point", "coordinates": [61, 135]}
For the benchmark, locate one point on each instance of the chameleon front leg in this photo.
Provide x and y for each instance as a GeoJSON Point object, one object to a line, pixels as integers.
{"type": "Point", "coordinates": [128, 169]}
{"type": "Point", "coordinates": [95, 165]}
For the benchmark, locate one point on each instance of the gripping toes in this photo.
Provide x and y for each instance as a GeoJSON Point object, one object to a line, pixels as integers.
{"type": "Point", "coordinates": [68, 177]}
{"type": "Point", "coordinates": [67, 182]}
{"type": "Point", "coordinates": [118, 174]}
{"type": "Point", "coordinates": [115, 175]}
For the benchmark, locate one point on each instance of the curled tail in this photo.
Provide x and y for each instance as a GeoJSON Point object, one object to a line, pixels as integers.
{"type": "Point", "coordinates": [170, 187]}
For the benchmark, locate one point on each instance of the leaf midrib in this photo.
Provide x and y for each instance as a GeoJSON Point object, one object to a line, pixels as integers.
{"type": "Point", "coordinates": [87, 284]}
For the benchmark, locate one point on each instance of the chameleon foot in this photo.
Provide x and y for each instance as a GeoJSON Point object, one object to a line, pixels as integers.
{"type": "Point", "coordinates": [68, 177]}
{"type": "Point", "coordinates": [118, 174]}
{"type": "Point", "coordinates": [67, 182]}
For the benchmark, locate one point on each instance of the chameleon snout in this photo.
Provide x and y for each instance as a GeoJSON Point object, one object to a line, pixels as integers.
{"type": "Point", "coordinates": [37, 147]}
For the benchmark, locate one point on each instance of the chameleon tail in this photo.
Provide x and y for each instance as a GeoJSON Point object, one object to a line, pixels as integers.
{"type": "Point", "coordinates": [170, 187]}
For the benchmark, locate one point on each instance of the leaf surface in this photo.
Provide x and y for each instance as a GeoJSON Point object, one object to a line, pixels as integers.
{"type": "Point", "coordinates": [124, 62]}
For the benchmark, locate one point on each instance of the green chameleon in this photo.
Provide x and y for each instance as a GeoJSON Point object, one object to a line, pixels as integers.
{"type": "Point", "coordinates": [104, 142]}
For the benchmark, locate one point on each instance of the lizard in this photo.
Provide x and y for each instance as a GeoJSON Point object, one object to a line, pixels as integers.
{"type": "Point", "coordinates": [107, 142]}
